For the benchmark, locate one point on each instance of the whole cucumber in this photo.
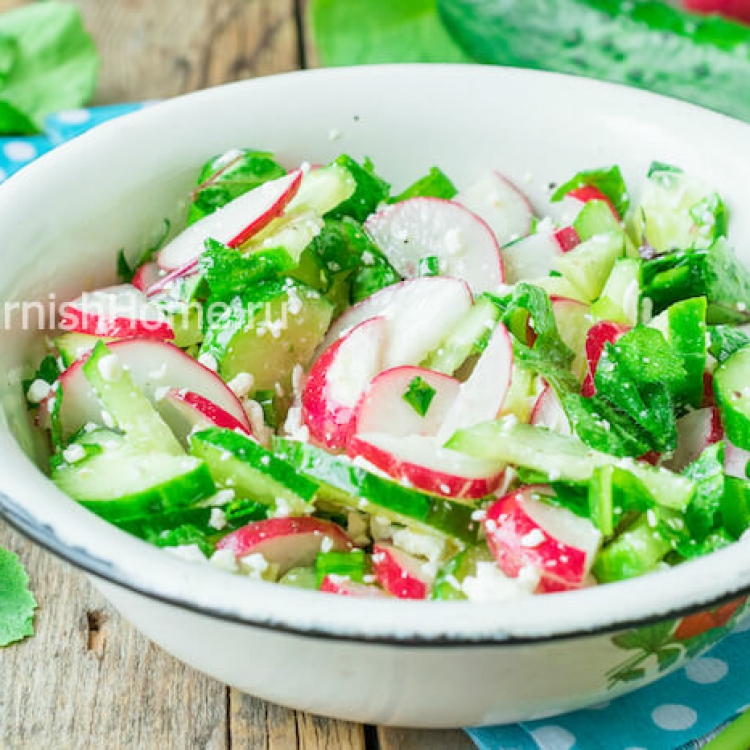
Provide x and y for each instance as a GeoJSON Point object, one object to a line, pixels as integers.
{"type": "Point", "coordinates": [647, 44]}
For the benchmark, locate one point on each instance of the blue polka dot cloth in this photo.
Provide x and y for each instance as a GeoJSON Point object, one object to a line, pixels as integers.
{"type": "Point", "coordinates": [16, 153]}
{"type": "Point", "coordinates": [674, 713]}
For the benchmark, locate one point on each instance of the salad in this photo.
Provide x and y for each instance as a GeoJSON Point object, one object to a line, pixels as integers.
{"type": "Point", "coordinates": [441, 393]}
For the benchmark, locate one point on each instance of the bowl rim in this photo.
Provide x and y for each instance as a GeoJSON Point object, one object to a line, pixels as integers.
{"type": "Point", "coordinates": [61, 525]}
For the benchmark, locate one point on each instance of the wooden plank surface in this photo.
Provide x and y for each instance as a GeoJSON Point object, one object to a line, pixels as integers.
{"type": "Point", "coordinates": [87, 679]}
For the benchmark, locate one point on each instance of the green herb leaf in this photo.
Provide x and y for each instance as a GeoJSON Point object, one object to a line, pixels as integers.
{"type": "Point", "coordinates": [609, 181]}
{"type": "Point", "coordinates": [725, 341]}
{"type": "Point", "coordinates": [707, 471]}
{"type": "Point", "coordinates": [429, 265]}
{"type": "Point", "coordinates": [126, 272]}
{"type": "Point", "coordinates": [186, 534]}
{"type": "Point", "coordinates": [228, 176]}
{"type": "Point", "coordinates": [370, 192]}
{"type": "Point", "coordinates": [17, 603]}
{"type": "Point", "coordinates": [419, 395]}
{"type": "Point", "coordinates": [435, 184]}
{"type": "Point", "coordinates": [48, 63]}
{"type": "Point", "coordinates": [357, 32]}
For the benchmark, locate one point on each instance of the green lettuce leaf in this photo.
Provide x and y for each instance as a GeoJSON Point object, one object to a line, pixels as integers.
{"type": "Point", "coordinates": [48, 63]}
{"type": "Point", "coordinates": [435, 184]}
{"type": "Point", "coordinates": [609, 181]}
{"type": "Point", "coordinates": [370, 192]}
{"type": "Point", "coordinates": [358, 32]}
{"type": "Point", "coordinates": [17, 603]}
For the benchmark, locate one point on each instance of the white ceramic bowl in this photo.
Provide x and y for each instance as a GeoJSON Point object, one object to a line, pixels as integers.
{"type": "Point", "coordinates": [62, 221]}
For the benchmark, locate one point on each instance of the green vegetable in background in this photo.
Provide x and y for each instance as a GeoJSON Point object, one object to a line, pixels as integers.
{"type": "Point", "coordinates": [17, 603]}
{"type": "Point", "coordinates": [642, 43]}
{"type": "Point", "coordinates": [48, 63]}
{"type": "Point", "coordinates": [357, 32]}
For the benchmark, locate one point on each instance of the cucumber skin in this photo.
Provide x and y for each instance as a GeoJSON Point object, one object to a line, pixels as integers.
{"type": "Point", "coordinates": [729, 376]}
{"type": "Point", "coordinates": [345, 484]}
{"type": "Point", "coordinates": [705, 60]}
{"type": "Point", "coordinates": [270, 469]}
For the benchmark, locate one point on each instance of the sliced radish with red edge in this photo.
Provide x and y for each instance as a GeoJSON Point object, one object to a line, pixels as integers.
{"type": "Point", "coordinates": [399, 573]}
{"type": "Point", "coordinates": [598, 336]}
{"type": "Point", "coordinates": [343, 586]}
{"type": "Point", "coordinates": [548, 412]}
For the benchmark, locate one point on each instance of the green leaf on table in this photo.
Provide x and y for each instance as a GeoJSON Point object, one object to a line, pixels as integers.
{"type": "Point", "coordinates": [359, 32]}
{"type": "Point", "coordinates": [17, 603]}
{"type": "Point", "coordinates": [48, 63]}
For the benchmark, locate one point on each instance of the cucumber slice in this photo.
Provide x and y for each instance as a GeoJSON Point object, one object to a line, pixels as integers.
{"type": "Point", "coordinates": [634, 552]}
{"type": "Point", "coordinates": [239, 463]}
{"type": "Point", "coordinates": [564, 457]}
{"type": "Point", "coordinates": [735, 506]}
{"type": "Point", "coordinates": [686, 332]}
{"type": "Point", "coordinates": [121, 483]}
{"type": "Point", "coordinates": [732, 387]}
{"type": "Point", "coordinates": [468, 337]}
{"type": "Point", "coordinates": [588, 265]}
{"type": "Point", "coordinates": [449, 578]}
{"type": "Point", "coordinates": [268, 333]}
{"type": "Point", "coordinates": [521, 396]}
{"type": "Point", "coordinates": [347, 485]}
{"type": "Point", "coordinates": [558, 286]}
{"type": "Point", "coordinates": [128, 407]}
{"type": "Point", "coordinates": [620, 298]}
{"type": "Point", "coordinates": [72, 346]}
{"type": "Point", "coordinates": [300, 578]}
{"type": "Point", "coordinates": [323, 189]}
{"type": "Point", "coordinates": [596, 218]}
{"type": "Point", "coordinates": [677, 212]}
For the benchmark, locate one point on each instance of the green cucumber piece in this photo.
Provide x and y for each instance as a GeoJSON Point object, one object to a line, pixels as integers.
{"type": "Point", "coordinates": [268, 332]}
{"type": "Point", "coordinates": [557, 286]}
{"type": "Point", "coordinates": [634, 552]}
{"type": "Point", "coordinates": [344, 484]}
{"type": "Point", "coordinates": [72, 346]}
{"type": "Point", "coordinates": [677, 212]}
{"type": "Point", "coordinates": [735, 506]}
{"type": "Point", "coordinates": [300, 578]}
{"type": "Point", "coordinates": [732, 388]}
{"type": "Point", "coordinates": [620, 298]}
{"type": "Point", "coordinates": [456, 570]}
{"type": "Point", "coordinates": [564, 458]}
{"type": "Point", "coordinates": [468, 337]}
{"type": "Point", "coordinates": [351, 564]}
{"type": "Point", "coordinates": [121, 483]}
{"type": "Point", "coordinates": [595, 218]}
{"type": "Point", "coordinates": [323, 189]}
{"type": "Point", "coordinates": [686, 332]}
{"type": "Point", "coordinates": [588, 265]}
{"type": "Point", "coordinates": [239, 463]}
{"type": "Point", "coordinates": [128, 406]}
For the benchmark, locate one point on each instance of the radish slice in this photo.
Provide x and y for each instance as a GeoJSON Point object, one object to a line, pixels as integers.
{"type": "Point", "coordinates": [420, 313]}
{"type": "Point", "coordinates": [588, 193]}
{"type": "Point", "coordinates": [146, 275]}
{"type": "Point", "coordinates": [695, 432]}
{"type": "Point", "coordinates": [483, 394]}
{"type": "Point", "coordinates": [167, 280]}
{"type": "Point", "coordinates": [399, 573]}
{"type": "Point", "coordinates": [155, 367]}
{"type": "Point", "coordinates": [735, 460]}
{"type": "Point", "coordinates": [286, 542]}
{"type": "Point", "coordinates": [116, 312]}
{"type": "Point", "coordinates": [422, 462]}
{"type": "Point", "coordinates": [548, 412]}
{"type": "Point", "coordinates": [337, 381]}
{"type": "Point", "coordinates": [523, 530]}
{"type": "Point", "coordinates": [233, 224]}
{"type": "Point", "coordinates": [186, 412]}
{"type": "Point", "coordinates": [531, 257]}
{"type": "Point", "coordinates": [384, 408]}
{"type": "Point", "coordinates": [598, 336]}
{"type": "Point", "coordinates": [418, 228]}
{"type": "Point", "coordinates": [503, 207]}
{"type": "Point", "coordinates": [343, 586]}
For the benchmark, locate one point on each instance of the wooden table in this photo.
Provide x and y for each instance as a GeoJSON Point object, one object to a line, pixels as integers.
{"type": "Point", "coordinates": [88, 679]}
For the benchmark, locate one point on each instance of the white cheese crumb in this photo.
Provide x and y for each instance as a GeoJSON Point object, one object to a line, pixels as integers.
{"type": "Point", "coordinates": [422, 545]}
{"type": "Point", "coordinates": [327, 544]}
{"type": "Point", "coordinates": [533, 539]}
{"type": "Point", "coordinates": [38, 391]}
{"type": "Point", "coordinates": [491, 584]}
{"type": "Point", "coordinates": [282, 509]}
{"type": "Point", "coordinates": [479, 515]}
{"type": "Point", "coordinates": [218, 519]}
{"type": "Point", "coordinates": [74, 453]}
{"type": "Point", "coordinates": [254, 565]}
{"type": "Point", "coordinates": [241, 384]}
{"type": "Point", "coordinates": [224, 560]}
{"type": "Point", "coordinates": [381, 528]}
{"type": "Point", "coordinates": [159, 372]}
{"type": "Point", "coordinates": [161, 392]}
{"type": "Point", "coordinates": [110, 367]}
{"type": "Point", "coordinates": [108, 419]}
{"type": "Point", "coordinates": [208, 361]}
{"type": "Point", "coordinates": [222, 497]}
